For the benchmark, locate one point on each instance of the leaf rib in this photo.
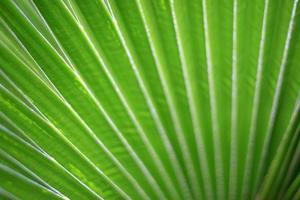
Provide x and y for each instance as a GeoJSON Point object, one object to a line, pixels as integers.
{"type": "Point", "coordinates": [276, 98]}
{"type": "Point", "coordinates": [254, 112]}
{"type": "Point", "coordinates": [234, 109]}
{"type": "Point", "coordinates": [160, 63]}
{"type": "Point", "coordinates": [213, 106]}
{"type": "Point", "coordinates": [193, 108]}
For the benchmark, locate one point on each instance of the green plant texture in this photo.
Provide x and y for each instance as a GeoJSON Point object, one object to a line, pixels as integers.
{"type": "Point", "coordinates": [150, 99]}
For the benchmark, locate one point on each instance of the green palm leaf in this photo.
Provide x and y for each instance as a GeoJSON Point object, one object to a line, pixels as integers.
{"type": "Point", "coordinates": [170, 99]}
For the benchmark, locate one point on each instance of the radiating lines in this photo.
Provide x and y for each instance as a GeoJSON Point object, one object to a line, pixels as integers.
{"type": "Point", "coordinates": [75, 132]}
{"type": "Point", "coordinates": [157, 52]}
{"type": "Point", "coordinates": [254, 112]}
{"type": "Point", "coordinates": [276, 98]}
{"type": "Point", "coordinates": [110, 121]}
{"type": "Point", "coordinates": [213, 107]}
{"type": "Point", "coordinates": [27, 57]}
{"type": "Point", "coordinates": [122, 168]}
{"type": "Point", "coordinates": [102, 61]}
{"type": "Point", "coordinates": [281, 152]}
{"type": "Point", "coordinates": [24, 179]}
{"type": "Point", "coordinates": [81, 154]}
{"type": "Point", "coordinates": [80, 120]}
{"type": "Point", "coordinates": [37, 178]}
{"type": "Point", "coordinates": [202, 154]}
{"type": "Point", "coordinates": [135, 64]}
{"type": "Point", "coordinates": [18, 129]}
{"type": "Point", "coordinates": [292, 166]}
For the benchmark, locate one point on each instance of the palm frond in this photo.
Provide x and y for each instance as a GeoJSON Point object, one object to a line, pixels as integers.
{"type": "Point", "coordinates": [163, 99]}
